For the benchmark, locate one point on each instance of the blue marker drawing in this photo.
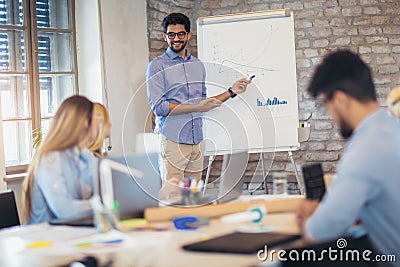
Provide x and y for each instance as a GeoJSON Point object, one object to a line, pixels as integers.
{"type": "Point", "coordinates": [270, 102]}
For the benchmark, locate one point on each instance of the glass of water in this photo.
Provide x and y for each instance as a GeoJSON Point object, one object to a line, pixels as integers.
{"type": "Point", "coordinates": [279, 186]}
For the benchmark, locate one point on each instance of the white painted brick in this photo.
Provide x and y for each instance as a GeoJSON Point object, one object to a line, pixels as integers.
{"type": "Point", "coordinates": [342, 41]}
{"type": "Point", "coordinates": [364, 49]}
{"type": "Point", "coordinates": [323, 125]}
{"type": "Point", "coordinates": [351, 11]}
{"type": "Point", "coordinates": [303, 43]}
{"type": "Point", "coordinates": [381, 49]}
{"type": "Point", "coordinates": [321, 43]}
{"type": "Point", "coordinates": [376, 39]}
{"type": "Point", "coordinates": [373, 10]}
{"type": "Point", "coordinates": [316, 146]}
{"type": "Point", "coordinates": [367, 30]}
{"type": "Point", "coordinates": [388, 69]}
{"type": "Point", "coordinates": [385, 59]}
{"type": "Point", "coordinates": [302, 24]}
{"type": "Point", "coordinates": [310, 52]}
{"type": "Point", "coordinates": [334, 147]}
{"type": "Point", "coordinates": [396, 49]}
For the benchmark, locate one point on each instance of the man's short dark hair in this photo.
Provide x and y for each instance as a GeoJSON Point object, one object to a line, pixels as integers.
{"type": "Point", "coordinates": [344, 71]}
{"type": "Point", "coordinates": [176, 18]}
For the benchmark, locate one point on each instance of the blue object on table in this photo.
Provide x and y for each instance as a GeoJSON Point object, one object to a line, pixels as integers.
{"type": "Point", "coordinates": [189, 222]}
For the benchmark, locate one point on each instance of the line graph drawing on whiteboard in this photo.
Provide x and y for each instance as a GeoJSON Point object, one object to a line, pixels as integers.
{"type": "Point", "coordinates": [224, 67]}
{"type": "Point", "coordinates": [239, 59]}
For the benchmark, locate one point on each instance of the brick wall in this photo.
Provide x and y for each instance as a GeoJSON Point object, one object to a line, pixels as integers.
{"type": "Point", "coordinates": [368, 27]}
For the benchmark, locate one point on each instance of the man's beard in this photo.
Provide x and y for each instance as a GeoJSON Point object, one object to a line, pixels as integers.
{"type": "Point", "coordinates": [345, 130]}
{"type": "Point", "coordinates": [184, 43]}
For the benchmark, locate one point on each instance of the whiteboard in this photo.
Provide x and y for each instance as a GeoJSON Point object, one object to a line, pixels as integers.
{"type": "Point", "coordinates": [265, 117]}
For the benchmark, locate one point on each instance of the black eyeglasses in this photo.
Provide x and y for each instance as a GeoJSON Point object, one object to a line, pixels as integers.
{"type": "Point", "coordinates": [181, 35]}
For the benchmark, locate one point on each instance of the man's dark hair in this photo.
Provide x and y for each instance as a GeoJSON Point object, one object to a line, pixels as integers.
{"type": "Point", "coordinates": [344, 71]}
{"type": "Point", "coordinates": [176, 18]}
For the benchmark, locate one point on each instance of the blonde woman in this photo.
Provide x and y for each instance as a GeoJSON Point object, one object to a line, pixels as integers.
{"type": "Point", "coordinates": [393, 102]}
{"type": "Point", "coordinates": [103, 132]}
{"type": "Point", "coordinates": [59, 181]}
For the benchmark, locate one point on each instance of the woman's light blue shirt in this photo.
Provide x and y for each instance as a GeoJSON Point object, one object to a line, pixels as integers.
{"type": "Point", "coordinates": [62, 185]}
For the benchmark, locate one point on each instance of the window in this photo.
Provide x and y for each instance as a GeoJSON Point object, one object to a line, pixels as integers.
{"type": "Point", "coordinates": [37, 70]}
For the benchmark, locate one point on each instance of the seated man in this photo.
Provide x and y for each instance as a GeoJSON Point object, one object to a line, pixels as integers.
{"type": "Point", "coordinates": [366, 187]}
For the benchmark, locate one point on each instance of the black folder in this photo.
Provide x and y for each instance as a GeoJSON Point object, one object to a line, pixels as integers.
{"type": "Point", "coordinates": [243, 243]}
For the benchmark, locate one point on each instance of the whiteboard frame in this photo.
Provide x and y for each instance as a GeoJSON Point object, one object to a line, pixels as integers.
{"type": "Point", "coordinates": [243, 16]}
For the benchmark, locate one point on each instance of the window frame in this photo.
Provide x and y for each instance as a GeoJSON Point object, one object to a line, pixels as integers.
{"type": "Point", "coordinates": [32, 70]}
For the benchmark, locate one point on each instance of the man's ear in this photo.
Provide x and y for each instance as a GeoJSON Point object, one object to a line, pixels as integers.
{"type": "Point", "coordinates": [188, 36]}
{"type": "Point", "coordinates": [165, 36]}
{"type": "Point", "coordinates": [341, 99]}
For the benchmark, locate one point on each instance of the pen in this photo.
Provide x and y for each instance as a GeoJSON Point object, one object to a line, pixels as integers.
{"type": "Point", "coordinates": [89, 244]}
{"type": "Point", "coordinates": [181, 184]}
{"type": "Point", "coordinates": [252, 77]}
{"type": "Point", "coordinates": [200, 186]}
{"type": "Point", "coordinates": [111, 241]}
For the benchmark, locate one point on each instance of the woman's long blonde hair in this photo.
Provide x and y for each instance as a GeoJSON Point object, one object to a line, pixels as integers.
{"type": "Point", "coordinates": [104, 121]}
{"type": "Point", "coordinates": [71, 121]}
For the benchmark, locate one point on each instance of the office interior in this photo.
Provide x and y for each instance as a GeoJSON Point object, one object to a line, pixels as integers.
{"type": "Point", "coordinates": [116, 39]}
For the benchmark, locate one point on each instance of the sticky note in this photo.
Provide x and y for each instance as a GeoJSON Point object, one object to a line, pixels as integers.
{"type": "Point", "coordinates": [40, 244]}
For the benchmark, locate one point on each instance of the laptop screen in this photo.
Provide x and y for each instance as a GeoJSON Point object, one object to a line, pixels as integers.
{"type": "Point", "coordinates": [232, 176]}
{"type": "Point", "coordinates": [135, 194]}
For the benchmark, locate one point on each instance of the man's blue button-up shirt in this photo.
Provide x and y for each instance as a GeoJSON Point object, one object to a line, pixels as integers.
{"type": "Point", "coordinates": [172, 79]}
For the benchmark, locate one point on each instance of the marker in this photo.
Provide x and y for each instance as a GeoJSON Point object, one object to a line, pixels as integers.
{"type": "Point", "coordinates": [193, 186]}
{"type": "Point", "coordinates": [252, 77]}
{"type": "Point", "coordinates": [200, 186]}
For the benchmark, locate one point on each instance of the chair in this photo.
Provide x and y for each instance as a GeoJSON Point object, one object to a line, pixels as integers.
{"type": "Point", "coordinates": [8, 210]}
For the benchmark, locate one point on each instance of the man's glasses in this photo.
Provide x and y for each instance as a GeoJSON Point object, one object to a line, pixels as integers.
{"type": "Point", "coordinates": [181, 35]}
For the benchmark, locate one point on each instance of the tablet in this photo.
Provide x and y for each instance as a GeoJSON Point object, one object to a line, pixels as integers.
{"type": "Point", "coordinates": [314, 181]}
{"type": "Point", "coordinates": [243, 243]}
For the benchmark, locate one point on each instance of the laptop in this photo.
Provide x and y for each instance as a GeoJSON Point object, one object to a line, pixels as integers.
{"type": "Point", "coordinates": [135, 194]}
{"type": "Point", "coordinates": [232, 177]}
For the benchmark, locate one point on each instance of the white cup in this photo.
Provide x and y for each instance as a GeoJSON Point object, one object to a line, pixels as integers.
{"type": "Point", "coordinates": [279, 186]}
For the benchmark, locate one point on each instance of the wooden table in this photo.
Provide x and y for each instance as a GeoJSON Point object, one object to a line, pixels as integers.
{"type": "Point", "coordinates": [147, 248]}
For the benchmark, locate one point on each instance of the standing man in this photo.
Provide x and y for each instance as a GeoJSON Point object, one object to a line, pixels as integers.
{"type": "Point", "coordinates": [177, 95]}
{"type": "Point", "coordinates": [366, 187]}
